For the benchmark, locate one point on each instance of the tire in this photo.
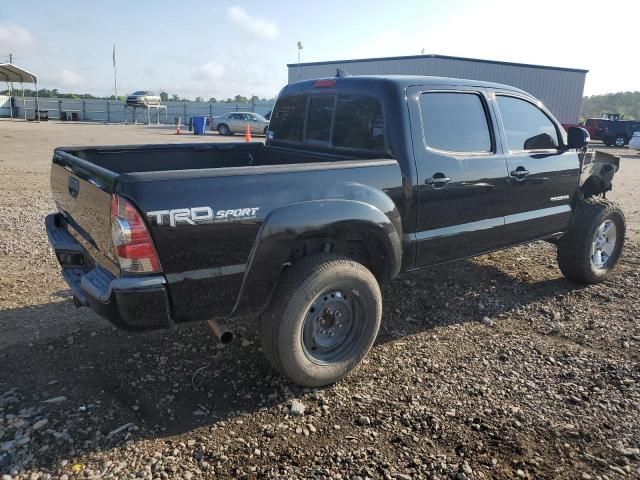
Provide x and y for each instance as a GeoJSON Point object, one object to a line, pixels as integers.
{"type": "Point", "coordinates": [578, 249]}
{"type": "Point", "coordinates": [223, 129]}
{"type": "Point", "coordinates": [620, 141]}
{"type": "Point", "coordinates": [297, 340]}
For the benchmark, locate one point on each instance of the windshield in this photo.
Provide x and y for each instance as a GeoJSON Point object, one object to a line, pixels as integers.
{"type": "Point", "coordinates": [139, 92]}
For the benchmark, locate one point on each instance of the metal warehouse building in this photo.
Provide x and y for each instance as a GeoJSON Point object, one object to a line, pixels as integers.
{"type": "Point", "coordinates": [560, 89]}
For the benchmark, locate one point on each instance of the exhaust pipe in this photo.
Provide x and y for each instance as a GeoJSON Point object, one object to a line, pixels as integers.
{"type": "Point", "coordinates": [221, 331]}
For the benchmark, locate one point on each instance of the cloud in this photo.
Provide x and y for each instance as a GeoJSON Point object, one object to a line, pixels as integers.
{"type": "Point", "coordinates": [14, 37]}
{"type": "Point", "coordinates": [256, 26]}
{"type": "Point", "coordinates": [209, 71]}
{"type": "Point", "coordinates": [70, 79]}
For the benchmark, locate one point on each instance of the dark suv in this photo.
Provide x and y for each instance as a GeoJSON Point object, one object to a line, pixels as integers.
{"type": "Point", "coordinates": [612, 132]}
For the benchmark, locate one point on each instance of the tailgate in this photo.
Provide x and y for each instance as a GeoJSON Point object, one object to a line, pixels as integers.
{"type": "Point", "coordinates": [82, 193]}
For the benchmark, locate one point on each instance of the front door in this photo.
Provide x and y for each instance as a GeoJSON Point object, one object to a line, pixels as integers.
{"type": "Point", "coordinates": [543, 176]}
{"type": "Point", "coordinates": [462, 174]}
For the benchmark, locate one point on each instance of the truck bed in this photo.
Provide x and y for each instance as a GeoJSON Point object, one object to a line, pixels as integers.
{"type": "Point", "coordinates": [159, 158]}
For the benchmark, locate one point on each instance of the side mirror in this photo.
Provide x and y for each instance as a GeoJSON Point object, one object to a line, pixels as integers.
{"type": "Point", "coordinates": [577, 137]}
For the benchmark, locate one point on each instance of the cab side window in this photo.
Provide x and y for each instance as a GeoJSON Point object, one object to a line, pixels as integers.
{"type": "Point", "coordinates": [455, 122]}
{"type": "Point", "coordinates": [526, 126]}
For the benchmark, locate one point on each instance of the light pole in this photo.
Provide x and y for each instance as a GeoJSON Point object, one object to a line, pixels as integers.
{"type": "Point", "coordinates": [299, 48]}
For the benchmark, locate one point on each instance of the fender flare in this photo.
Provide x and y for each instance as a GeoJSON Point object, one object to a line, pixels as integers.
{"type": "Point", "coordinates": [284, 226]}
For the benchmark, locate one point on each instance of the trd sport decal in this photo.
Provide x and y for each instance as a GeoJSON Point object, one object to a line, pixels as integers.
{"type": "Point", "coordinates": [198, 215]}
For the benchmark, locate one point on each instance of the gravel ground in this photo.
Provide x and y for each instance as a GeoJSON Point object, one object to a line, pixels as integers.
{"type": "Point", "coordinates": [495, 367]}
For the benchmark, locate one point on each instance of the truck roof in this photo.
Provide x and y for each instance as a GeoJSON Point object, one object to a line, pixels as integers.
{"type": "Point", "coordinates": [399, 81]}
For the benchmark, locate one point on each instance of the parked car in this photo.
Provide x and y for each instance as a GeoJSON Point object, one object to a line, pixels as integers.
{"type": "Point", "coordinates": [614, 133]}
{"type": "Point", "coordinates": [360, 179]}
{"type": "Point", "coordinates": [635, 141]}
{"type": "Point", "coordinates": [143, 97]}
{"type": "Point", "coordinates": [236, 122]}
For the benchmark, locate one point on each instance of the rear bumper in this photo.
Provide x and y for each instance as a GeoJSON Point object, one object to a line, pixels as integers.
{"type": "Point", "coordinates": [131, 303]}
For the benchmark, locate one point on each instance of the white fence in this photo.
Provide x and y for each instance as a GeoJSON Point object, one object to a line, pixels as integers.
{"type": "Point", "coordinates": [114, 111]}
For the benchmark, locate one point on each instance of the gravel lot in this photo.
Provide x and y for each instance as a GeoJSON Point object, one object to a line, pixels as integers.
{"type": "Point", "coordinates": [495, 367]}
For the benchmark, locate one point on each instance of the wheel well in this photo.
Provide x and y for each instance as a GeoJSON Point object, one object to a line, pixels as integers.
{"type": "Point", "coordinates": [360, 244]}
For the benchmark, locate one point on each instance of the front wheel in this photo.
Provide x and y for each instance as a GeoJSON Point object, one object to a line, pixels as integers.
{"type": "Point", "coordinates": [591, 248]}
{"type": "Point", "coordinates": [223, 129]}
{"type": "Point", "coordinates": [324, 318]}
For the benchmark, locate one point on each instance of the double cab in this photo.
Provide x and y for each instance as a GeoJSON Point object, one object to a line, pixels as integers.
{"type": "Point", "coordinates": [361, 178]}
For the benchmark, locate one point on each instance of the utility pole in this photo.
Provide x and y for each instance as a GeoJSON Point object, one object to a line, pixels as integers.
{"type": "Point", "coordinates": [11, 58]}
{"type": "Point", "coordinates": [299, 49]}
{"type": "Point", "coordinates": [115, 73]}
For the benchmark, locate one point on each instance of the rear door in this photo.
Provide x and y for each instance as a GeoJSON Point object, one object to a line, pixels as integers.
{"type": "Point", "coordinates": [543, 176]}
{"type": "Point", "coordinates": [235, 123]}
{"type": "Point", "coordinates": [462, 173]}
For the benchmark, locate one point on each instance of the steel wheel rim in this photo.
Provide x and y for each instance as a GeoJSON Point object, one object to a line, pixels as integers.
{"type": "Point", "coordinates": [619, 142]}
{"type": "Point", "coordinates": [331, 325]}
{"type": "Point", "coordinates": [603, 245]}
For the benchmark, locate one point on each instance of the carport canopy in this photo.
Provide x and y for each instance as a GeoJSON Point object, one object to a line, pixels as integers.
{"type": "Point", "coordinates": [12, 73]}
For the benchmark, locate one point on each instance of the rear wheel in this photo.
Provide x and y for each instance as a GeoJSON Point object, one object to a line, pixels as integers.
{"type": "Point", "coordinates": [590, 250]}
{"type": "Point", "coordinates": [223, 129]}
{"type": "Point", "coordinates": [323, 320]}
{"type": "Point", "coordinates": [620, 141]}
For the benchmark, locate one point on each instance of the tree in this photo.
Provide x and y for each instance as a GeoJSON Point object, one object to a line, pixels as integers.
{"type": "Point", "coordinates": [164, 96]}
{"type": "Point", "coordinates": [626, 103]}
{"type": "Point", "coordinates": [199, 99]}
{"type": "Point", "coordinates": [213, 100]}
{"type": "Point", "coordinates": [175, 98]}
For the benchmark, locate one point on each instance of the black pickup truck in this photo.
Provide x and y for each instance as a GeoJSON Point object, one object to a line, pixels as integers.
{"type": "Point", "coordinates": [360, 179]}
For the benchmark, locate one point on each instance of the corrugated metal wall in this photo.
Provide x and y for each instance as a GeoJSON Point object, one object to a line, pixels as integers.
{"type": "Point", "coordinates": [560, 90]}
{"type": "Point", "coordinates": [114, 110]}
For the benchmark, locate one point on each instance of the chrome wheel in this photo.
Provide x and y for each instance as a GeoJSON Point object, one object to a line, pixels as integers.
{"type": "Point", "coordinates": [619, 142]}
{"type": "Point", "coordinates": [330, 326]}
{"type": "Point", "coordinates": [603, 245]}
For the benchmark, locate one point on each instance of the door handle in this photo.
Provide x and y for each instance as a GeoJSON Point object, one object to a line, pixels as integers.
{"type": "Point", "coordinates": [74, 187]}
{"type": "Point", "coordinates": [438, 180]}
{"type": "Point", "coordinates": [519, 173]}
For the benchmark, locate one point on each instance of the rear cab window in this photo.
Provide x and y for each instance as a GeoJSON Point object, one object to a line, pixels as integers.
{"type": "Point", "coordinates": [339, 121]}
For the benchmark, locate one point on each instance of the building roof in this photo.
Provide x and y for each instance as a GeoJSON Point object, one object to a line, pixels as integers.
{"type": "Point", "coordinates": [444, 57]}
{"type": "Point", "coordinates": [12, 73]}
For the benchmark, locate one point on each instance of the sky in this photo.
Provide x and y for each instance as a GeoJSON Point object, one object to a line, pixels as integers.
{"type": "Point", "coordinates": [220, 49]}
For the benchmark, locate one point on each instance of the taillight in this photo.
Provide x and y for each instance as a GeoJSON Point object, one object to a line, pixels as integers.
{"type": "Point", "coordinates": [131, 240]}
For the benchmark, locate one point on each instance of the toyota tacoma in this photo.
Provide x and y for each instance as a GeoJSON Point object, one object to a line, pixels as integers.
{"type": "Point", "coordinates": [361, 178]}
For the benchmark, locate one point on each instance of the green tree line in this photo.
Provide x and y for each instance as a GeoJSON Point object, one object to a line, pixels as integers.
{"type": "Point", "coordinates": [626, 103]}
{"type": "Point", "coordinates": [54, 93]}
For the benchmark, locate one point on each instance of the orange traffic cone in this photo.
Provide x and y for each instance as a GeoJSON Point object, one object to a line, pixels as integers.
{"type": "Point", "coordinates": [247, 134]}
